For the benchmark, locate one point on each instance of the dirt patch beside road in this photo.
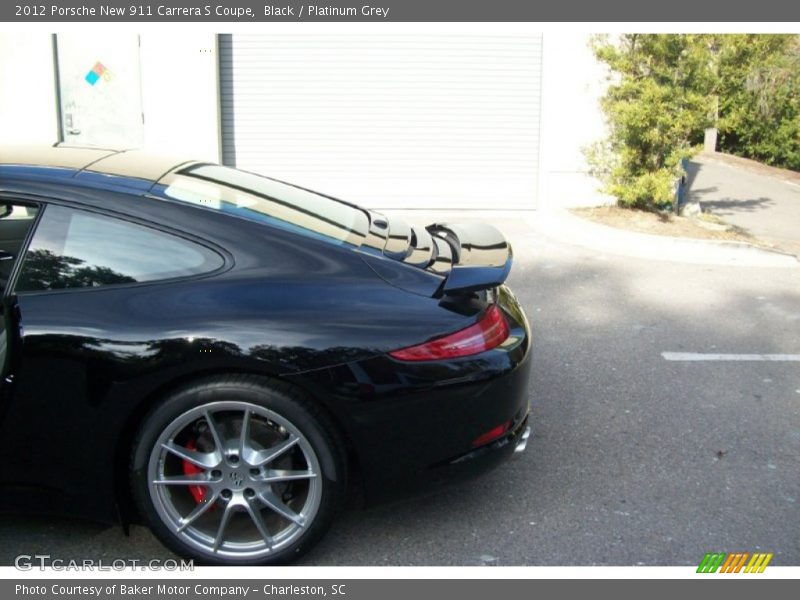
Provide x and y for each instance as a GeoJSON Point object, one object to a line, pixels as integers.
{"type": "Point", "coordinates": [702, 227]}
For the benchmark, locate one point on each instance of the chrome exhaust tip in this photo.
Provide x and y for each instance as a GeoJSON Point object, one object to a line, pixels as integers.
{"type": "Point", "coordinates": [523, 441]}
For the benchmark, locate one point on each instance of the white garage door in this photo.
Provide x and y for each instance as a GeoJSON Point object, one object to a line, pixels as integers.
{"type": "Point", "coordinates": [387, 121]}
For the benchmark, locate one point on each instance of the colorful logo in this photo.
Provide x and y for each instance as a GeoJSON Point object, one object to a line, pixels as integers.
{"type": "Point", "coordinates": [98, 70]}
{"type": "Point", "coordinates": [734, 562]}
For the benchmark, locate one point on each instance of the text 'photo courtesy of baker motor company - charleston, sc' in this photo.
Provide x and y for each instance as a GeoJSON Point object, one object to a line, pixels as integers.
{"type": "Point", "coordinates": [63, 590]}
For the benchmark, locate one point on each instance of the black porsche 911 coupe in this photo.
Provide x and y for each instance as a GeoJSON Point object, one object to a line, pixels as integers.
{"type": "Point", "coordinates": [214, 353]}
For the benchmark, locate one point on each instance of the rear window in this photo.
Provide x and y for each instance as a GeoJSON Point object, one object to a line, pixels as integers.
{"type": "Point", "coordinates": [267, 200]}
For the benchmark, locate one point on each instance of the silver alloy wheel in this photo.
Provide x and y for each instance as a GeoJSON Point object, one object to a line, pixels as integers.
{"type": "Point", "coordinates": [234, 480]}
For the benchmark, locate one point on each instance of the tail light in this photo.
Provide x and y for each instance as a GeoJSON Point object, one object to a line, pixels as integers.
{"type": "Point", "coordinates": [489, 332]}
{"type": "Point", "coordinates": [491, 435]}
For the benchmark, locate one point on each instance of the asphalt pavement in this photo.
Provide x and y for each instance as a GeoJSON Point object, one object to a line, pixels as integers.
{"type": "Point", "coordinates": [635, 459]}
{"type": "Point", "coordinates": [750, 197]}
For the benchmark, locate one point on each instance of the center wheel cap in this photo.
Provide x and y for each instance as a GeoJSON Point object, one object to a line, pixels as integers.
{"type": "Point", "coordinates": [236, 479]}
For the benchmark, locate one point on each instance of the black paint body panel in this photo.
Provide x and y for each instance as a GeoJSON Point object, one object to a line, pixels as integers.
{"type": "Point", "coordinates": [86, 364]}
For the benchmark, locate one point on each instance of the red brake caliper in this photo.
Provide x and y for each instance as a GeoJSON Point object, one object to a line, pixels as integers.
{"type": "Point", "coordinates": [198, 492]}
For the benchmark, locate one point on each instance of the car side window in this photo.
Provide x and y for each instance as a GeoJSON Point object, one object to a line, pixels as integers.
{"type": "Point", "coordinates": [78, 249]}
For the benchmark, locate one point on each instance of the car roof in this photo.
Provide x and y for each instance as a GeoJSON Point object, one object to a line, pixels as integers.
{"type": "Point", "coordinates": [65, 162]}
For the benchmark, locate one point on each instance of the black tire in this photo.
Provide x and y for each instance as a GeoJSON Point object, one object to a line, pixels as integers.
{"type": "Point", "coordinates": [279, 399]}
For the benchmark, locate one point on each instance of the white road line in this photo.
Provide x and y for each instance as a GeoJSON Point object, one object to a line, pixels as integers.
{"type": "Point", "coordinates": [698, 356]}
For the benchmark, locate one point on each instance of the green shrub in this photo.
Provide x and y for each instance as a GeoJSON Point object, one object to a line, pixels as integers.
{"type": "Point", "coordinates": [759, 80]}
{"type": "Point", "coordinates": [656, 103]}
{"type": "Point", "coordinates": [666, 89]}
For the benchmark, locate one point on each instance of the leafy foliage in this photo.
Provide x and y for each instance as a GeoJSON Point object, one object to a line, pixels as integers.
{"type": "Point", "coordinates": [656, 104]}
{"type": "Point", "coordinates": [758, 85]}
{"type": "Point", "coordinates": [666, 89]}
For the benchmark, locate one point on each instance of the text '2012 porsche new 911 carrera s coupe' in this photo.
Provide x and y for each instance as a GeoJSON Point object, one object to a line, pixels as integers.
{"type": "Point", "coordinates": [213, 353]}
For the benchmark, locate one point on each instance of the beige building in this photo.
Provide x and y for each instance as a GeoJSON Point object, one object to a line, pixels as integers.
{"type": "Point", "coordinates": [414, 120]}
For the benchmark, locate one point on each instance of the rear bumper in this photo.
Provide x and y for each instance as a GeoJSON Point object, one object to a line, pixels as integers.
{"type": "Point", "coordinates": [413, 425]}
{"type": "Point", "coordinates": [483, 459]}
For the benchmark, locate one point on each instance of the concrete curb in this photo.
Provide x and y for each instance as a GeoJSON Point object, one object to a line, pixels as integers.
{"type": "Point", "coordinates": [566, 227]}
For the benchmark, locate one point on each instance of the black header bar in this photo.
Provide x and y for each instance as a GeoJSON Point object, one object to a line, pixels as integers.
{"type": "Point", "coordinates": [252, 11]}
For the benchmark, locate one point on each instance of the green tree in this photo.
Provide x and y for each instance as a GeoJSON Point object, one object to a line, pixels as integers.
{"type": "Point", "coordinates": [666, 89]}
{"type": "Point", "coordinates": [758, 84]}
{"type": "Point", "coordinates": [658, 103]}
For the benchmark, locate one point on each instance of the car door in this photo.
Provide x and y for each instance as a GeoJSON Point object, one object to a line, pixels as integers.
{"type": "Point", "coordinates": [16, 222]}
{"type": "Point", "coordinates": [93, 304]}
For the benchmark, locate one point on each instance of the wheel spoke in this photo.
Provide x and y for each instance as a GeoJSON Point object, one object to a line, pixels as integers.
{"type": "Point", "coordinates": [277, 475]}
{"type": "Point", "coordinates": [212, 427]}
{"type": "Point", "coordinates": [204, 460]}
{"type": "Point", "coordinates": [245, 432]}
{"type": "Point", "coordinates": [275, 504]}
{"type": "Point", "coordinates": [262, 457]}
{"type": "Point", "coordinates": [258, 520]}
{"type": "Point", "coordinates": [195, 479]}
{"type": "Point", "coordinates": [235, 457]}
{"type": "Point", "coordinates": [197, 512]}
{"type": "Point", "coordinates": [223, 524]}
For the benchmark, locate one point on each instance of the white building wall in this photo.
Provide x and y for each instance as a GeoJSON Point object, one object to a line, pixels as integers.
{"type": "Point", "coordinates": [180, 98]}
{"type": "Point", "coordinates": [28, 112]}
{"type": "Point", "coordinates": [572, 84]}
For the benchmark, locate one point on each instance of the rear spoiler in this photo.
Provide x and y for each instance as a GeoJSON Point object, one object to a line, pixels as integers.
{"type": "Point", "coordinates": [480, 256]}
{"type": "Point", "coordinates": [464, 257]}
